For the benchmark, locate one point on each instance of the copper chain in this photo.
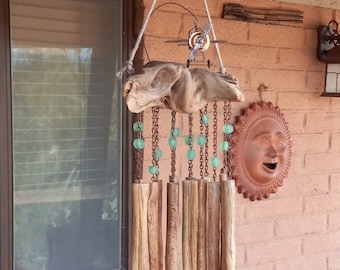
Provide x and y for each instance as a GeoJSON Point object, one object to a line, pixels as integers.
{"type": "Point", "coordinates": [201, 147]}
{"type": "Point", "coordinates": [215, 138]}
{"type": "Point", "coordinates": [190, 142]}
{"type": "Point", "coordinates": [173, 149]}
{"type": "Point", "coordinates": [155, 140]}
{"type": "Point", "coordinates": [139, 152]}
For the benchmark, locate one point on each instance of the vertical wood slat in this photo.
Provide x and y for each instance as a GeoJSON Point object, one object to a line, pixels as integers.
{"type": "Point", "coordinates": [213, 225]}
{"type": "Point", "coordinates": [171, 256]}
{"type": "Point", "coordinates": [154, 223]}
{"type": "Point", "coordinates": [140, 245]}
{"type": "Point", "coordinates": [228, 260]}
{"type": "Point", "coordinates": [190, 224]}
{"type": "Point", "coordinates": [202, 226]}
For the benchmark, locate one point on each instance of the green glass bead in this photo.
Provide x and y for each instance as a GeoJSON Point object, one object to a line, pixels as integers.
{"type": "Point", "coordinates": [228, 129]}
{"type": "Point", "coordinates": [138, 144]}
{"type": "Point", "coordinates": [175, 132]}
{"type": "Point", "coordinates": [189, 140]}
{"type": "Point", "coordinates": [205, 119]}
{"type": "Point", "coordinates": [153, 169]}
{"type": "Point", "coordinates": [201, 140]}
{"type": "Point", "coordinates": [158, 153]}
{"type": "Point", "coordinates": [191, 154]}
{"type": "Point", "coordinates": [138, 126]}
{"type": "Point", "coordinates": [224, 146]}
{"type": "Point", "coordinates": [215, 162]}
{"type": "Point", "coordinates": [172, 142]}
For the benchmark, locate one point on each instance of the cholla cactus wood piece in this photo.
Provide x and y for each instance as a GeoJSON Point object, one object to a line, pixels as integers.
{"type": "Point", "coordinates": [173, 86]}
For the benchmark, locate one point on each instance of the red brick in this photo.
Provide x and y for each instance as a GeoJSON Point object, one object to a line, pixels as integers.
{"type": "Point", "coordinates": [279, 80]}
{"type": "Point", "coordinates": [314, 262]}
{"type": "Point", "coordinates": [273, 208]}
{"type": "Point", "coordinates": [322, 203]}
{"type": "Point", "coordinates": [316, 81]}
{"type": "Point", "coordinates": [323, 121]}
{"type": "Point", "coordinates": [297, 226]}
{"type": "Point", "coordinates": [334, 221]}
{"type": "Point", "coordinates": [232, 32]}
{"type": "Point", "coordinates": [310, 142]}
{"type": "Point", "coordinates": [254, 232]}
{"type": "Point", "coordinates": [276, 36]}
{"type": "Point", "coordinates": [321, 243]}
{"type": "Point", "coordinates": [322, 162]}
{"type": "Point", "coordinates": [301, 101]}
{"type": "Point", "coordinates": [335, 105]}
{"type": "Point", "coordinates": [273, 251]}
{"type": "Point", "coordinates": [297, 59]}
{"type": "Point", "coordinates": [315, 16]}
{"type": "Point", "coordinates": [335, 182]}
{"type": "Point", "coordinates": [296, 121]}
{"type": "Point", "coordinates": [334, 260]}
{"type": "Point", "coordinates": [266, 266]}
{"type": "Point", "coordinates": [240, 256]}
{"type": "Point", "coordinates": [310, 185]}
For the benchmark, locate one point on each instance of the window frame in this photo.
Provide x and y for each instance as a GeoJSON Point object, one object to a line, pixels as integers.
{"type": "Point", "coordinates": [6, 157]}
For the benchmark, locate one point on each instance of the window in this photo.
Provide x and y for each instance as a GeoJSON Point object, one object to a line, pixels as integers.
{"type": "Point", "coordinates": [67, 141]}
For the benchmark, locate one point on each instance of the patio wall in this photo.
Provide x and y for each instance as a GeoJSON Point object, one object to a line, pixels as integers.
{"type": "Point", "coordinates": [299, 226]}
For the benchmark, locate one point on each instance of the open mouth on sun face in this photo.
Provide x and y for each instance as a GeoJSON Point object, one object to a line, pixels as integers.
{"type": "Point", "coordinates": [270, 166]}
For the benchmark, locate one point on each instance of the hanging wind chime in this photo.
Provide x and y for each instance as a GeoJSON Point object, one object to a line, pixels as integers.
{"type": "Point", "coordinates": [208, 203]}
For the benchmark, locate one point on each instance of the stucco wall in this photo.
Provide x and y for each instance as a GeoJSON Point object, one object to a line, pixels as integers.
{"type": "Point", "coordinates": [298, 227]}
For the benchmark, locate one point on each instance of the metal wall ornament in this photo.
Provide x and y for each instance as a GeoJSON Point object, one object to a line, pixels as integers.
{"type": "Point", "coordinates": [261, 150]}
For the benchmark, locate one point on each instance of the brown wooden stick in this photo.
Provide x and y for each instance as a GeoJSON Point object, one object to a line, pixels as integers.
{"type": "Point", "coordinates": [154, 227]}
{"type": "Point", "coordinates": [190, 216]}
{"type": "Point", "coordinates": [171, 255]}
{"type": "Point", "coordinates": [228, 260]}
{"type": "Point", "coordinates": [140, 245]}
{"type": "Point", "coordinates": [202, 226]}
{"type": "Point", "coordinates": [213, 225]}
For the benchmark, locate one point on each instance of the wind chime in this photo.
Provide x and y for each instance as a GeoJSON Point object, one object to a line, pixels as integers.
{"type": "Point", "coordinates": [208, 203]}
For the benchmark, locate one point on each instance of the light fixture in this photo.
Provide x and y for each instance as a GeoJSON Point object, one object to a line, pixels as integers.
{"type": "Point", "coordinates": [328, 51]}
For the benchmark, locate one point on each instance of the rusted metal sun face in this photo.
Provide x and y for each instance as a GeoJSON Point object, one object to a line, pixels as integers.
{"type": "Point", "coordinates": [261, 151]}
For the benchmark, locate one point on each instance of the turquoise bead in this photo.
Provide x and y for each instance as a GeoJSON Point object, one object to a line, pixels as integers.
{"type": "Point", "coordinates": [215, 162]}
{"type": "Point", "coordinates": [189, 140]}
{"type": "Point", "coordinates": [175, 132]}
{"type": "Point", "coordinates": [228, 129]}
{"type": "Point", "coordinates": [205, 119]}
{"type": "Point", "coordinates": [201, 140]}
{"type": "Point", "coordinates": [191, 154]}
{"type": "Point", "coordinates": [172, 142]}
{"type": "Point", "coordinates": [224, 146]}
{"type": "Point", "coordinates": [138, 144]}
{"type": "Point", "coordinates": [153, 169]}
{"type": "Point", "coordinates": [158, 154]}
{"type": "Point", "coordinates": [138, 126]}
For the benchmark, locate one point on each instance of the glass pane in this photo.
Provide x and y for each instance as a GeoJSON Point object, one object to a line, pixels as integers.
{"type": "Point", "coordinates": [66, 134]}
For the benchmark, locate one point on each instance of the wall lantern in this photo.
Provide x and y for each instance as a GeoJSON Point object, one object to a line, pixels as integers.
{"type": "Point", "coordinates": [328, 51]}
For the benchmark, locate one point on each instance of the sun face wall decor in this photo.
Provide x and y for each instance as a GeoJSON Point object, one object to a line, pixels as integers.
{"type": "Point", "coordinates": [261, 151]}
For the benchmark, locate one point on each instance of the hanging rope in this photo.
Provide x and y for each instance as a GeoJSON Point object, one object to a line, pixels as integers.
{"type": "Point", "coordinates": [222, 68]}
{"type": "Point", "coordinates": [129, 64]}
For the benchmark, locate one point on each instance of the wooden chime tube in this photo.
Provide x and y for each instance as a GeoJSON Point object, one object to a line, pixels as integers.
{"type": "Point", "coordinates": [154, 218]}
{"type": "Point", "coordinates": [190, 224]}
{"type": "Point", "coordinates": [213, 225]}
{"type": "Point", "coordinates": [171, 254]}
{"type": "Point", "coordinates": [140, 242]}
{"type": "Point", "coordinates": [202, 226]}
{"type": "Point", "coordinates": [228, 259]}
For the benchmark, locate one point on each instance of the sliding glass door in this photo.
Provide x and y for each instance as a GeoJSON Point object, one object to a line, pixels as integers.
{"type": "Point", "coordinates": [67, 134]}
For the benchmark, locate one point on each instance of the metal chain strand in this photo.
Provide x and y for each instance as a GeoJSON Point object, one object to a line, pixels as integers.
{"type": "Point", "coordinates": [215, 138]}
{"type": "Point", "coordinates": [201, 147]}
{"type": "Point", "coordinates": [229, 141]}
{"type": "Point", "coordinates": [155, 140]}
{"type": "Point", "coordinates": [173, 149]}
{"type": "Point", "coordinates": [139, 152]}
{"type": "Point", "coordinates": [190, 141]}
{"type": "Point", "coordinates": [206, 148]}
{"type": "Point", "coordinates": [225, 138]}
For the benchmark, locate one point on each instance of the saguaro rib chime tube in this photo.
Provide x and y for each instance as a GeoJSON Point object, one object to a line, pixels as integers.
{"type": "Point", "coordinates": [147, 243]}
{"type": "Point", "coordinates": [228, 191]}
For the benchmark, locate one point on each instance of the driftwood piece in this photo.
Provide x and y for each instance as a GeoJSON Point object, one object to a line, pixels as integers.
{"type": "Point", "coordinates": [213, 225]}
{"type": "Point", "coordinates": [228, 253]}
{"type": "Point", "coordinates": [190, 224]}
{"type": "Point", "coordinates": [234, 11]}
{"type": "Point", "coordinates": [202, 226]}
{"type": "Point", "coordinates": [140, 243]}
{"type": "Point", "coordinates": [173, 86]}
{"type": "Point", "coordinates": [171, 254]}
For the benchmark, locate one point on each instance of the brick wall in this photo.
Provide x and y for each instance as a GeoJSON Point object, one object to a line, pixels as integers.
{"type": "Point", "coordinates": [298, 227]}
